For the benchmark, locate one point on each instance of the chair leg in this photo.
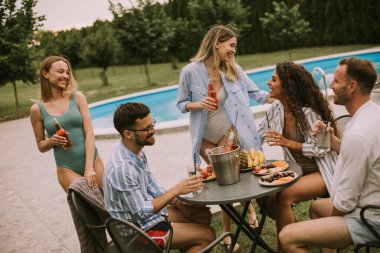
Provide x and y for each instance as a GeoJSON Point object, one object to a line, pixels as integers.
{"type": "Point", "coordinates": [358, 247]}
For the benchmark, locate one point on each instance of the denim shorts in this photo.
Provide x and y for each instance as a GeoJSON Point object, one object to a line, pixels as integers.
{"type": "Point", "coordinates": [359, 232]}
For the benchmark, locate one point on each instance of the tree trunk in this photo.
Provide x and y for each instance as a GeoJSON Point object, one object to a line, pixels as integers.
{"type": "Point", "coordinates": [16, 98]}
{"type": "Point", "coordinates": [147, 73]}
{"type": "Point", "coordinates": [103, 76]}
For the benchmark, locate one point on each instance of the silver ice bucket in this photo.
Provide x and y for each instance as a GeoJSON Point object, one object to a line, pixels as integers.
{"type": "Point", "coordinates": [226, 165]}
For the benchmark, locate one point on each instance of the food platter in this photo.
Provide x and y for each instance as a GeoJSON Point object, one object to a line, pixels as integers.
{"type": "Point", "coordinates": [270, 168]}
{"type": "Point", "coordinates": [207, 173]}
{"type": "Point", "coordinates": [246, 170]}
{"type": "Point", "coordinates": [210, 178]}
{"type": "Point", "coordinates": [278, 178]}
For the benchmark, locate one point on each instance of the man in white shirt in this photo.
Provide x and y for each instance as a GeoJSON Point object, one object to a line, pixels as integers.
{"type": "Point", "coordinates": [356, 182]}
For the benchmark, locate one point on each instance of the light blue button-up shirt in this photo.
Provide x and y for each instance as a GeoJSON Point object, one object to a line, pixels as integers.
{"type": "Point", "coordinates": [193, 84]}
{"type": "Point", "coordinates": [129, 188]}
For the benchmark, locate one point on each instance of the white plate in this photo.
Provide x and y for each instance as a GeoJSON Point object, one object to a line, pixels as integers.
{"type": "Point", "coordinates": [275, 169]}
{"type": "Point", "coordinates": [261, 173]}
{"type": "Point", "coordinates": [276, 184]}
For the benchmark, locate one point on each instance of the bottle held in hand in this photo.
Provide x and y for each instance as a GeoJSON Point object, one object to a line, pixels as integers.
{"type": "Point", "coordinates": [211, 92]}
{"type": "Point", "coordinates": [62, 132]}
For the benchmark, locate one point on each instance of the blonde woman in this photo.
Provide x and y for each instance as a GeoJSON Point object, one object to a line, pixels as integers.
{"type": "Point", "coordinates": [215, 62]}
{"type": "Point", "coordinates": [61, 100]}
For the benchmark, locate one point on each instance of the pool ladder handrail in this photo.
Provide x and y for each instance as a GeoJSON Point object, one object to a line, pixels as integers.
{"type": "Point", "coordinates": [318, 69]}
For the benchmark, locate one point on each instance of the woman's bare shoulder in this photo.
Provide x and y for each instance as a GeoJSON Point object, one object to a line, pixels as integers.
{"type": "Point", "coordinates": [34, 111]}
{"type": "Point", "coordinates": [80, 97]}
{"type": "Point", "coordinates": [35, 108]}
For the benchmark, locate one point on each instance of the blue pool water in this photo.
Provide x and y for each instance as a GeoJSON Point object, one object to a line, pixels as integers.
{"type": "Point", "coordinates": [163, 103]}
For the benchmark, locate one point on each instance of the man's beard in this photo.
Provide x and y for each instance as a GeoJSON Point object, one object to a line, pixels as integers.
{"type": "Point", "coordinates": [341, 99]}
{"type": "Point", "coordinates": [145, 141]}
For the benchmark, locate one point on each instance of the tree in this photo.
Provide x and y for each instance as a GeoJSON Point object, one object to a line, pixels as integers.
{"type": "Point", "coordinates": [285, 25]}
{"type": "Point", "coordinates": [255, 39]}
{"type": "Point", "coordinates": [206, 13]}
{"type": "Point", "coordinates": [99, 47]}
{"type": "Point", "coordinates": [48, 45]}
{"type": "Point", "coordinates": [17, 43]}
{"type": "Point", "coordinates": [69, 45]}
{"type": "Point", "coordinates": [144, 32]}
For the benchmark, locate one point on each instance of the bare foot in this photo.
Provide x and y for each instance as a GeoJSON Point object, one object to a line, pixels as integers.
{"type": "Point", "coordinates": [227, 245]}
{"type": "Point", "coordinates": [253, 221]}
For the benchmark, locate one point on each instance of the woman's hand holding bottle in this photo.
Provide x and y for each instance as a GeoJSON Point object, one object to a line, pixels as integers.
{"type": "Point", "coordinates": [208, 103]}
{"type": "Point", "coordinates": [58, 140]}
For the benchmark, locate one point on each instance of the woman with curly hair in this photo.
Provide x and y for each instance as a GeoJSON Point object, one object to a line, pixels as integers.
{"type": "Point", "coordinates": [300, 103]}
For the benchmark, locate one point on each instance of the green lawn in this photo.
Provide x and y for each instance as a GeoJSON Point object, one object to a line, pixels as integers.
{"type": "Point", "coordinates": [269, 232]}
{"type": "Point", "coordinates": [129, 79]}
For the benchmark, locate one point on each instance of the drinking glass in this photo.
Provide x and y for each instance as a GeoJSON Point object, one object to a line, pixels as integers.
{"type": "Point", "coordinates": [191, 171]}
{"type": "Point", "coordinates": [323, 137]}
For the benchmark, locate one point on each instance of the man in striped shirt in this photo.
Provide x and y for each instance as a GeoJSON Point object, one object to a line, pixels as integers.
{"type": "Point", "coordinates": [131, 191]}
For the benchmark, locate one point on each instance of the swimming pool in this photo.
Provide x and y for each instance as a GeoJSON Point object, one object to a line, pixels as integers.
{"type": "Point", "coordinates": [162, 102]}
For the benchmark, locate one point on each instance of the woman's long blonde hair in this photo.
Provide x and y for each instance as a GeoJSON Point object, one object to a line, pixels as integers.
{"type": "Point", "coordinates": [218, 33]}
{"type": "Point", "coordinates": [45, 85]}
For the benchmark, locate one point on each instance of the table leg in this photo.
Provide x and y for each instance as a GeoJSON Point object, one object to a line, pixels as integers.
{"type": "Point", "coordinates": [238, 219]}
{"type": "Point", "coordinates": [262, 222]}
{"type": "Point", "coordinates": [253, 234]}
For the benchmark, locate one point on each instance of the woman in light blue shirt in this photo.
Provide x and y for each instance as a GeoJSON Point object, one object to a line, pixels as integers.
{"type": "Point", "coordinates": [210, 119]}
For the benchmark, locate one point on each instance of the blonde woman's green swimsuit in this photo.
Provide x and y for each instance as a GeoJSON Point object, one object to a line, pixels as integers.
{"type": "Point", "coordinates": [72, 122]}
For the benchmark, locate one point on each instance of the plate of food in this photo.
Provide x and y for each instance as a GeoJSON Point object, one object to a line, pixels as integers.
{"type": "Point", "coordinates": [207, 174]}
{"type": "Point", "coordinates": [212, 177]}
{"type": "Point", "coordinates": [270, 168]}
{"type": "Point", "coordinates": [278, 178]}
{"type": "Point", "coordinates": [246, 170]}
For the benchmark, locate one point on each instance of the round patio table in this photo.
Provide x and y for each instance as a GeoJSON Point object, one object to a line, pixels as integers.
{"type": "Point", "coordinates": [244, 191]}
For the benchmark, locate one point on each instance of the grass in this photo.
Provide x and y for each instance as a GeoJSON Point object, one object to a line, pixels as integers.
{"type": "Point", "coordinates": [269, 232]}
{"type": "Point", "coordinates": [129, 79]}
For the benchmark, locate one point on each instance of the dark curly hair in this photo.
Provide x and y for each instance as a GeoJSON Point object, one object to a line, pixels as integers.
{"type": "Point", "coordinates": [301, 90]}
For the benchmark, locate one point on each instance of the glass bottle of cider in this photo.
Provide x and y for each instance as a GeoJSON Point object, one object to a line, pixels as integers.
{"type": "Point", "coordinates": [230, 142]}
{"type": "Point", "coordinates": [211, 92]}
{"type": "Point", "coordinates": [62, 132]}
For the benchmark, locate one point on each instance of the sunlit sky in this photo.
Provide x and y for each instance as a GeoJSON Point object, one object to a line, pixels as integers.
{"type": "Point", "coordinates": [66, 14]}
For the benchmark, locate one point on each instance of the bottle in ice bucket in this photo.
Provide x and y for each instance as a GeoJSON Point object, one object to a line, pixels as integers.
{"type": "Point", "coordinates": [62, 132]}
{"type": "Point", "coordinates": [211, 92]}
{"type": "Point", "coordinates": [230, 142]}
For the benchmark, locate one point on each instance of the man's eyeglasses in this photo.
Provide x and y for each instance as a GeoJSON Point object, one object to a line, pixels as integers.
{"type": "Point", "coordinates": [148, 129]}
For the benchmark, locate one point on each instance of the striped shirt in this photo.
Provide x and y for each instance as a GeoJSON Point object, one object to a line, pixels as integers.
{"type": "Point", "coordinates": [129, 187]}
{"type": "Point", "coordinates": [325, 160]}
{"type": "Point", "coordinates": [193, 84]}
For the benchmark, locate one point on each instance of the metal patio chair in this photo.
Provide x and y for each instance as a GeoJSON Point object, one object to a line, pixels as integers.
{"type": "Point", "coordinates": [375, 244]}
{"type": "Point", "coordinates": [341, 123]}
{"type": "Point", "coordinates": [93, 223]}
{"type": "Point", "coordinates": [129, 237]}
